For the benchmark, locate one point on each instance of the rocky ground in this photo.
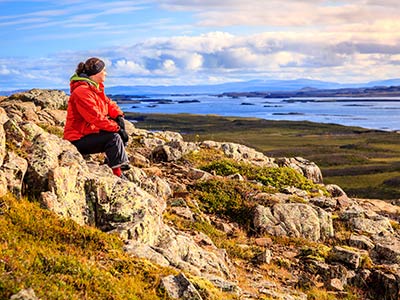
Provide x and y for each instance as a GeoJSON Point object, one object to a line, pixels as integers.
{"type": "Point", "coordinates": [293, 243]}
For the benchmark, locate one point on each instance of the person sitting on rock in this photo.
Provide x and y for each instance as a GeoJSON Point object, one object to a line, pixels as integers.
{"type": "Point", "coordinates": [95, 123]}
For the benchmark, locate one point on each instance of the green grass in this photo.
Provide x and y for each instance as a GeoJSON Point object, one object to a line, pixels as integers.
{"type": "Point", "coordinates": [358, 159]}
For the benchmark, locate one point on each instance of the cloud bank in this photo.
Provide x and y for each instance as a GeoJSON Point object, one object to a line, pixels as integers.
{"type": "Point", "coordinates": [285, 39]}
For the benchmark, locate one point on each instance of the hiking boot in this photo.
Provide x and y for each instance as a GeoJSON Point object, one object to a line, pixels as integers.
{"type": "Point", "coordinates": [125, 167]}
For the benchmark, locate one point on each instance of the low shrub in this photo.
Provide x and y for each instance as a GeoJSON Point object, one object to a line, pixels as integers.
{"type": "Point", "coordinates": [226, 197]}
{"type": "Point", "coordinates": [278, 178]}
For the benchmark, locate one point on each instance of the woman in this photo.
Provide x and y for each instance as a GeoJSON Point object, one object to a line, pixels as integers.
{"type": "Point", "coordinates": [95, 123]}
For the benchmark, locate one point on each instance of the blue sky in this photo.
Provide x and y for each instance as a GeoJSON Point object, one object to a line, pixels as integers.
{"type": "Point", "coordinates": [183, 42]}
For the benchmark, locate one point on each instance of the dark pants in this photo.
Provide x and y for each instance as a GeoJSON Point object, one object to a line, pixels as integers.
{"type": "Point", "coordinates": [108, 142]}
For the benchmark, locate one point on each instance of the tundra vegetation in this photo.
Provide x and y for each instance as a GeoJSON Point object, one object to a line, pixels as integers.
{"type": "Point", "coordinates": [365, 163]}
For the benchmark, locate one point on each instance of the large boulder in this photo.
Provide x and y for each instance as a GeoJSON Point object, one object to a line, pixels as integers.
{"type": "Point", "coordinates": [294, 220]}
{"type": "Point", "coordinates": [46, 153]}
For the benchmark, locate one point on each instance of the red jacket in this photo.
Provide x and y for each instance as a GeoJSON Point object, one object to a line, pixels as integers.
{"type": "Point", "coordinates": [89, 110]}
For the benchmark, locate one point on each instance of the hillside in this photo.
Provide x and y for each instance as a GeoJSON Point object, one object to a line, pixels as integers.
{"type": "Point", "coordinates": [194, 220]}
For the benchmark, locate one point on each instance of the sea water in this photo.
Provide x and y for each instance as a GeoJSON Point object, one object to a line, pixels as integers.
{"type": "Point", "coordinates": [374, 113]}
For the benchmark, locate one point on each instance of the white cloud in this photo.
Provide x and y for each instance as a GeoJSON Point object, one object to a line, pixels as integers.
{"type": "Point", "coordinates": [219, 56]}
{"type": "Point", "coordinates": [4, 70]}
{"type": "Point", "coordinates": [194, 62]}
{"type": "Point", "coordinates": [168, 66]}
{"type": "Point", "coordinates": [336, 40]}
{"type": "Point", "coordinates": [123, 67]}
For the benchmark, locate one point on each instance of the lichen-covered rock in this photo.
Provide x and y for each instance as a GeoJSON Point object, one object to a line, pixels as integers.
{"type": "Point", "coordinates": [3, 184]}
{"type": "Point", "coordinates": [14, 169]}
{"type": "Point", "coordinates": [294, 220]}
{"type": "Point", "coordinates": [45, 155]}
{"type": "Point", "coordinates": [182, 252]}
{"type": "Point", "coordinates": [152, 184]}
{"type": "Point", "coordinates": [14, 134]}
{"type": "Point", "coordinates": [179, 287]}
{"type": "Point", "coordinates": [305, 167]}
{"type": "Point", "coordinates": [123, 207]}
{"type": "Point", "coordinates": [241, 153]}
{"type": "Point", "coordinates": [66, 194]}
{"type": "Point", "coordinates": [351, 258]}
{"type": "Point", "coordinates": [172, 151]}
{"type": "Point", "coordinates": [361, 242]}
{"type": "Point", "coordinates": [387, 249]}
{"type": "Point", "coordinates": [44, 98]}
{"type": "Point", "coordinates": [52, 116]}
{"type": "Point", "coordinates": [364, 220]}
{"type": "Point", "coordinates": [25, 294]}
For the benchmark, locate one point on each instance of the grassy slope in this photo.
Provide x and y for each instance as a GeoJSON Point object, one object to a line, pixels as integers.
{"type": "Point", "coordinates": [366, 163]}
{"type": "Point", "coordinates": [62, 260]}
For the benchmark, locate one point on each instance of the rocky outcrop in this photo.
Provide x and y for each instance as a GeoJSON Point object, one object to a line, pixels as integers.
{"type": "Point", "coordinates": [362, 238]}
{"type": "Point", "coordinates": [243, 153]}
{"type": "Point", "coordinates": [87, 192]}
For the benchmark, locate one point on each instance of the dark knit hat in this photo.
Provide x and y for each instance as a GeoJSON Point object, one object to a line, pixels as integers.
{"type": "Point", "coordinates": [94, 66]}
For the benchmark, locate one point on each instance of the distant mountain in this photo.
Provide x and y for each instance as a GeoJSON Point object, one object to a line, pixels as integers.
{"type": "Point", "coordinates": [258, 85]}
{"type": "Point", "coordinates": [246, 86]}
{"type": "Point", "coordinates": [388, 82]}
{"type": "Point", "coordinates": [242, 86]}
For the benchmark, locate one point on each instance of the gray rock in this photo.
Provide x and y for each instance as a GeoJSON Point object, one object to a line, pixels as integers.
{"type": "Point", "coordinates": [324, 202]}
{"type": "Point", "coordinates": [294, 219]}
{"type": "Point", "coordinates": [387, 249]}
{"type": "Point", "coordinates": [197, 174]}
{"type": "Point", "coordinates": [14, 133]}
{"type": "Point", "coordinates": [14, 169]}
{"type": "Point", "coordinates": [179, 287]}
{"type": "Point", "coordinates": [53, 99]}
{"type": "Point", "coordinates": [350, 258]}
{"type": "Point", "coordinates": [224, 285]}
{"type": "Point", "coordinates": [145, 251]}
{"type": "Point", "coordinates": [305, 167]}
{"type": "Point", "coordinates": [241, 153]}
{"type": "Point", "coordinates": [336, 284]}
{"type": "Point", "coordinates": [361, 242]}
{"type": "Point", "coordinates": [172, 151]}
{"type": "Point", "coordinates": [335, 190]}
{"type": "Point", "coordinates": [182, 252]}
{"type": "Point", "coordinates": [25, 294]}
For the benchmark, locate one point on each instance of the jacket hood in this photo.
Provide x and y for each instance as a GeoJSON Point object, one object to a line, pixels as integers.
{"type": "Point", "coordinates": [77, 80]}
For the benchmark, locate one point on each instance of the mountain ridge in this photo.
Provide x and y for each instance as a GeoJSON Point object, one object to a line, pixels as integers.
{"type": "Point", "coordinates": [256, 85]}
